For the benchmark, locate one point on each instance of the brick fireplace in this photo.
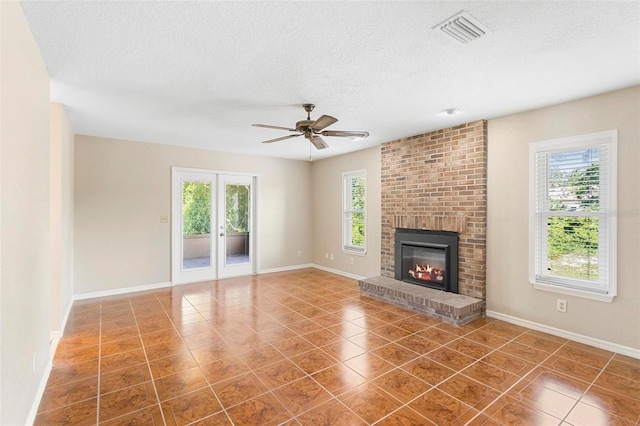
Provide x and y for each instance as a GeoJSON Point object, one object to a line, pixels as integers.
{"type": "Point", "coordinates": [436, 181]}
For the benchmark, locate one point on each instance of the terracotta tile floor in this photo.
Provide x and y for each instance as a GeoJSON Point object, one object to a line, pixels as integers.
{"type": "Point", "coordinates": [303, 348]}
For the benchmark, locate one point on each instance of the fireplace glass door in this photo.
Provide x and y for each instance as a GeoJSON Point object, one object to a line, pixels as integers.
{"type": "Point", "coordinates": [425, 265]}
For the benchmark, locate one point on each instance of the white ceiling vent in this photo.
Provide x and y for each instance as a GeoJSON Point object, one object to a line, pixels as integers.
{"type": "Point", "coordinates": [463, 27]}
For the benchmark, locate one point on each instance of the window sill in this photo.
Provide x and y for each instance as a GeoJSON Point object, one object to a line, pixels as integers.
{"type": "Point", "coordinates": [354, 252]}
{"type": "Point", "coordinates": [573, 292]}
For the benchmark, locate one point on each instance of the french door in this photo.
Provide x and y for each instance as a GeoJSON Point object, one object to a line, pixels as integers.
{"type": "Point", "coordinates": [213, 225]}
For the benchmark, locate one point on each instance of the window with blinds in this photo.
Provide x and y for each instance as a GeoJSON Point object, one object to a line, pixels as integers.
{"type": "Point", "coordinates": [573, 230]}
{"type": "Point", "coordinates": [353, 211]}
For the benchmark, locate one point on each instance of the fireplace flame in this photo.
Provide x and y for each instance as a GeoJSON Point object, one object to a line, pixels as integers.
{"type": "Point", "coordinates": [427, 273]}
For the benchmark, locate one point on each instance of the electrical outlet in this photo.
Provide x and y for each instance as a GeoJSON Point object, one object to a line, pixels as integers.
{"type": "Point", "coordinates": [326, 255]}
{"type": "Point", "coordinates": [561, 305]}
{"type": "Point", "coordinates": [331, 256]}
{"type": "Point", "coordinates": [299, 253]}
{"type": "Point", "coordinates": [351, 261]}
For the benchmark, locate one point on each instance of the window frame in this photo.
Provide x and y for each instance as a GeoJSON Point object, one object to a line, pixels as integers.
{"type": "Point", "coordinates": [347, 212]}
{"type": "Point", "coordinates": [608, 207]}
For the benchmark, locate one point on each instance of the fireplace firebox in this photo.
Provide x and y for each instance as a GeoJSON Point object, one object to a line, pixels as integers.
{"type": "Point", "coordinates": [427, 258]}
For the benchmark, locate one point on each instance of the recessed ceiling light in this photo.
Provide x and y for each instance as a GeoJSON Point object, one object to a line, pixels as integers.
{"type": "Point", "coordinates": [451, 111]}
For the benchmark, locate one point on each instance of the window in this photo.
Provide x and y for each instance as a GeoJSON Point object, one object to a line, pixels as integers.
{"type": "Point", "coordinates": [353, 210]}
{"type": "Point", "coordinates": [572, 230]}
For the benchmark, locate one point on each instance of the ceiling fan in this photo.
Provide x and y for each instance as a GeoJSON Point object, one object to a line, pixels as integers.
{"type": "Point", "coordinates": [312, 129]}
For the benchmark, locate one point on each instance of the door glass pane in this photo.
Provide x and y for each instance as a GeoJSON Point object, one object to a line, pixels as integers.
{"type": "Point", "coordinates": [196, 225]}
{"type": "Point", "coordinates": [237, 224]}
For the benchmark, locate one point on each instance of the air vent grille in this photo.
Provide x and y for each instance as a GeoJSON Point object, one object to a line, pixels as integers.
{"type": "Point", "coordinates": [462, 27]}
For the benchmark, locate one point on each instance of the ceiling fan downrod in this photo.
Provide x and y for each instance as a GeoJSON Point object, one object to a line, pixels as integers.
{"type": "Point", "coordinates": [308, 108]}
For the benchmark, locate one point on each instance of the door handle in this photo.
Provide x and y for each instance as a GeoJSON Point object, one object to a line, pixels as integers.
{"type": "Point", "coordinates": [222, 234]}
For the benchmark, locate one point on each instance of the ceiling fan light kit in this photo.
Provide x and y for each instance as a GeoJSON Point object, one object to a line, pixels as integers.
{"type": "Point", "coordinates": [313, 129]}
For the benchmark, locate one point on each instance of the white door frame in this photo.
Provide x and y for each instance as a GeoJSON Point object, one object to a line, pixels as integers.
{"type": "Point", "coordinates": [178, 174]}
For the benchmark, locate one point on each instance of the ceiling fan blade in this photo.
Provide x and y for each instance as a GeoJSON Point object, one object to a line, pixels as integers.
{"type": "Point", "coordinates": [267, 126]}
{"type": "Point", "coordinates": [318, 142]}
{"type": "Point", "coordinates": [344, 134]}
{"type": "Point", "coordinates": [282, 138]}
{"type": "Point", "coordinates": [322, 122]}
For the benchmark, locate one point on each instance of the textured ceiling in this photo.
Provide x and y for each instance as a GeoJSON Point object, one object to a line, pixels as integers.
{"type": "Point", "coordinates": [198, 74]}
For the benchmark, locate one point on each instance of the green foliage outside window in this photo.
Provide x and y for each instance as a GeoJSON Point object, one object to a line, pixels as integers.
{"type": "Point", "coordinates": [573, 240]}
{"type": "Point", "coordinates": [573, 247]}
{"type": "Point", "coordinates": [357, 215]}
{"type": "Point", "coordinates": [196, 208]}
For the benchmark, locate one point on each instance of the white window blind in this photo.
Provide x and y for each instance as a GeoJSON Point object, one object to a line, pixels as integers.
{"type": "Point", "coordinates": [573, 194]}
{"type": "Point", "coordinates": [353, 210]}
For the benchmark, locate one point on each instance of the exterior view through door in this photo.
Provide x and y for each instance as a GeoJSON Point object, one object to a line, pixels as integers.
{"type": "Point", "coordinates": [213, 229]}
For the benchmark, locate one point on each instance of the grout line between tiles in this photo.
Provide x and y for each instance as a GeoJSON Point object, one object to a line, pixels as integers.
{"type": "Point", "coordinates": [99, 365]}
{"type": "Point", "coordinates": [593, 383]}
{"type": "Point", "coordinates": [456, 373]}
{"type": "Point", "coordinates": [522, 377]}
{"type": "Point", "coordinates": [459, 372]}
{"type": "Point", "coordinates": [209, 385]}
{"type": "Point", "coordinates": [146, 357]}
{"type": "Point", "coordinates": [586, 390]}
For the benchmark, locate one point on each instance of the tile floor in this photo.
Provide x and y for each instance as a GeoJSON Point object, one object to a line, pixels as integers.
{"type": "Point", "coordinates": [304, 348]}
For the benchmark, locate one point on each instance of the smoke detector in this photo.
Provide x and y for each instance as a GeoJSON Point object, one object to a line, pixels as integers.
{"type": "Point", "coordinates": [462, 27]}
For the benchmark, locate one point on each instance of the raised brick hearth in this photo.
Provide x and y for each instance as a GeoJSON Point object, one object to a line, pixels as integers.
{"type": "Point", "coordinates": [437, 181]}
{"type": "Point", "coordinates": [453, 308]}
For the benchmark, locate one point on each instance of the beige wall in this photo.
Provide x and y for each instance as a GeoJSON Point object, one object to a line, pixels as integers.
{"type": "Point", "coordinates": [61, 188]}
{"type": "Point", "coordinates": [508, 288]}
{"type": "Point", "coordinates": [24, 217]}
{"type": "Point", "coordinates": [123, 187]}
{"type": "Point", "coordinates": [326, 187]}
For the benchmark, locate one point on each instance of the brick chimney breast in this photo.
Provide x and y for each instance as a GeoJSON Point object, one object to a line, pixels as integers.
{"type": "Point", "coordinates": [438, 181]}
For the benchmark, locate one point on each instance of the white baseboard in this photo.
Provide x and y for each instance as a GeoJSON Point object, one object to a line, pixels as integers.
{"type": "Point", "coordinates": [55, 335]}
{"type": "Point", "coordinates": [285, 268]}
{"type": "Point", "coordinates": [337, 272]}
{"type": "Point", "coordinates": [126, 290]}
{"type": "Point", "coordinates": [54, 339]}
{"type": "Point", "coordinates": [119, 291]}
{"type": "Point", "coordinates": [65, 318]}
{"type": "Point", "coordinates": [310, 265]}
{"type": "Point", "coordinates": [173, 284]}
{"type": "Point", "coordinates": [33, 412]}
{"type": "Point", "coordinates": [591, 341]}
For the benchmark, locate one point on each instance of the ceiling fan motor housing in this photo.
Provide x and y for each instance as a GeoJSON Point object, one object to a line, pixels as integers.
{"type": "Point", "coordinates": [302, 125]}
